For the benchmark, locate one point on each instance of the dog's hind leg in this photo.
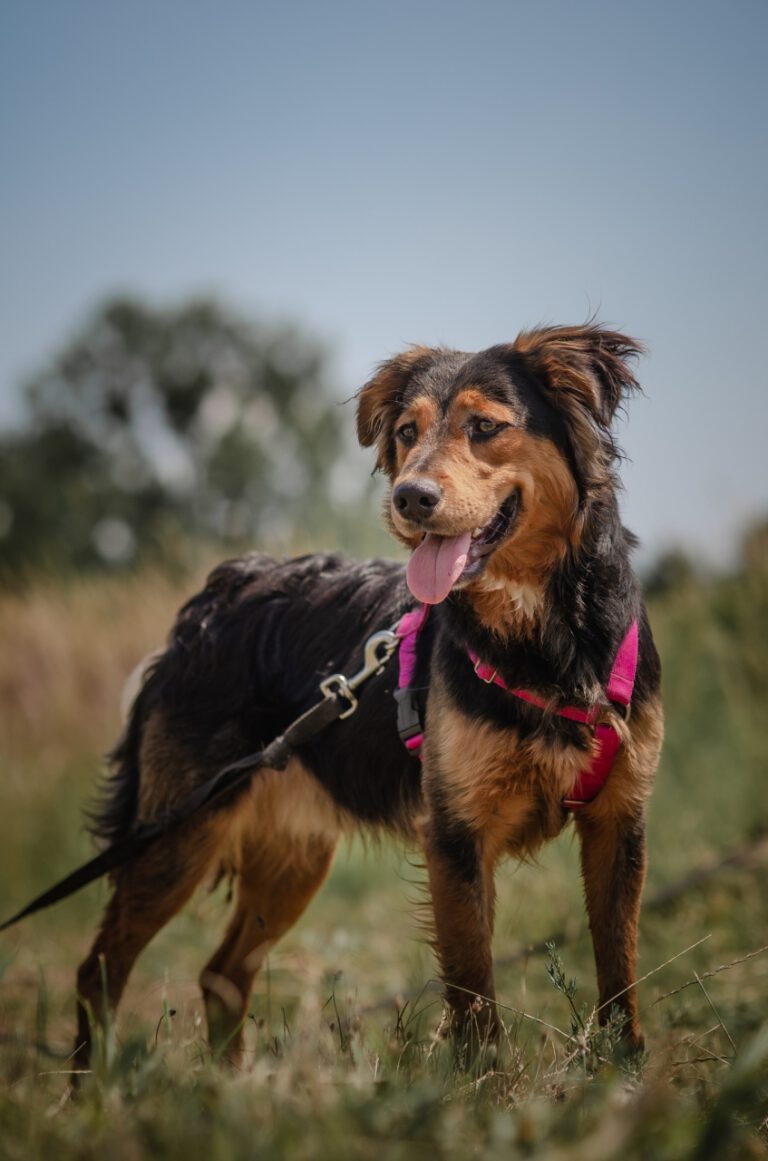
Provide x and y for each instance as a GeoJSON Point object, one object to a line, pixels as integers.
{"type": "Point", "coordinates": [279, 876]}
{"type": "Point", "coordinates": [147, 894]}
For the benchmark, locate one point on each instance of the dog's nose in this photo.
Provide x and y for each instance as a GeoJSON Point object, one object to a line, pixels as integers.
{"type": "Point", "coordinates": [417, 499]}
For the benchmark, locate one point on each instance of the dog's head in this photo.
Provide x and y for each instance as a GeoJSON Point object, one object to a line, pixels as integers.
{"type": "Point", "coordinates": [496, 458]}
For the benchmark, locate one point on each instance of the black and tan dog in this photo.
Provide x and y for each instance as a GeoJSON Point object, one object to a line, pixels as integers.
{"type": "Point", "coordinates": [502, 467]}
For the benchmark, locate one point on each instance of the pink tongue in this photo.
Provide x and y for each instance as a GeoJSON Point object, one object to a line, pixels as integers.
{"type": "Point", "coordinates": [436, 565]}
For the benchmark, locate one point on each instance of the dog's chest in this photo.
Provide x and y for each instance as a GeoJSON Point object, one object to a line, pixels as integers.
{"type": "Point", "coordinates": [507, 791]}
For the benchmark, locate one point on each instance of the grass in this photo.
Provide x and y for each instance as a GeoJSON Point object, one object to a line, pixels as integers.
{"type": "Point", "coordinates": [344, 1059]}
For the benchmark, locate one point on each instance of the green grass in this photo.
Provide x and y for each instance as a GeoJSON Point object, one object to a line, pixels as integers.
{"type": "Point", "coordinates": [344, 1057]}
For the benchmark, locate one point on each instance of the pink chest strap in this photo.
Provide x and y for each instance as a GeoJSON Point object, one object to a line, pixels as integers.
{"type": "Point", "coordinates": [619, 689]}
{"type": "Point", "coordinates": [408, 629]}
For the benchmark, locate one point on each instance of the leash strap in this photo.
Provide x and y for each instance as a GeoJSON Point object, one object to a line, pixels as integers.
{"type": "Point", "coordinates": [339, 701]}
{"type": "Point", "coordinates": [226, 782]}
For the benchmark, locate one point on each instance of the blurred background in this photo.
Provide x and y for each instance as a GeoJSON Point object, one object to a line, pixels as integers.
{"type": "Point", "coordinates": [218, 217]}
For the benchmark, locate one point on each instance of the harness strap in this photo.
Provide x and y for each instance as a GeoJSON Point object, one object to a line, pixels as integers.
{"type": "Point", "coordinates": [409, 724]}
{"type": "Point", "coordinates": [619, 686]}
{"type": "Point", "coordinates": [619, 689]}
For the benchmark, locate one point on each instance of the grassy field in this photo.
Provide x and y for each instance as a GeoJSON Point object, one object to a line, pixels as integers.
{"type": "Point", "coordinates": [343, 1057]}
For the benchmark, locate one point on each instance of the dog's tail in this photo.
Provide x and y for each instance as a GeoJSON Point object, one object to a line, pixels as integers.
{"type": "Point", "coordinates": [114, 812]}
{"type": "Point", "coordinates": [134, 683]}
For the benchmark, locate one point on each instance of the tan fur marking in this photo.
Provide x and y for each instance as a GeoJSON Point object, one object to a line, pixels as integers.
{"type": "Point", "coordinates": [474, 401]}
{"type": "Point", "coordinates": [289, 802]}
{"type": "Point", "coordinates": [476, 477]}
{"type": "Point", "coordinates": [512, 792]}
{"type": "Point", "coordinates": [380, 398]}
{"type": "Point", "coordinates": [275, 887]}
{"type": "Point", "coordinates": [509, 792]}
{"type": "Point", "coordinates": [286, 811]}
{"type": "Point", "coordinates": [546, 528]}
{"type": "Point", "coordinates": [282, 840]}
{"type": "Point", "coordinates": [424, 415]}
{"type": "Point", "coordinates": [521, 602]}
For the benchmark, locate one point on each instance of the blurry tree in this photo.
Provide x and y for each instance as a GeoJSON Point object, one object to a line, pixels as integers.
{"type": "Point", "coordinates": [671, 572]}
{"type": "Point", "coordinates": [154, 426]}
{"type": "Point", "coordinates": [754, 551]}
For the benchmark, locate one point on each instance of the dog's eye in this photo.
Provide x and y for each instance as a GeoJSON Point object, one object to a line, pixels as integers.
{"type": "Point", "coordinates": [481, 426]}
{"type": "Point", "coordinates": [407, 433]}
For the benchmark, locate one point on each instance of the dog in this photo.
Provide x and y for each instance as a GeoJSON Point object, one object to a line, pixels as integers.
{"type": "Point", "coordinates": [502, 468]}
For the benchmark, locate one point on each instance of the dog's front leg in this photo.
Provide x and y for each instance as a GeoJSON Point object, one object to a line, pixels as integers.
{"type": "Point", "coordinates": [613, 865]}
{"type": "Point", "coordinates": [461, 885]}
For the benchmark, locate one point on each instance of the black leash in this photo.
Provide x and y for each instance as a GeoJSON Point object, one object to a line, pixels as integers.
{"type": "Point", "coordinates": [339, 701]}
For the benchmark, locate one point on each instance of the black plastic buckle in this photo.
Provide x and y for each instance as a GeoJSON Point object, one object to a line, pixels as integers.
{"type": "Point", "coordinates": [408, 715]}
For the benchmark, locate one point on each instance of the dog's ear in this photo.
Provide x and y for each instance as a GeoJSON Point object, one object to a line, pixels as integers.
{"type": "Point", "coordinates": [381, 400]}
{"type": "Point", "coordinates": [584, 365]}
{"type": "Point", "coordinates": [586, 374]}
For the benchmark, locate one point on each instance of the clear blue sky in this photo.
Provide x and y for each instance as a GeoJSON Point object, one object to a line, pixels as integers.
{"type": "Point", "coordinates": [416, 171]}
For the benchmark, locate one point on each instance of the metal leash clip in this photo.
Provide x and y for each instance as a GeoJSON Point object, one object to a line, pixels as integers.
{"type": "Point", "coordinates": [377, 651]}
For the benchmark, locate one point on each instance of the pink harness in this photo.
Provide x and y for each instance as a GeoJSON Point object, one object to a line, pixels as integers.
{"type": "Point", "coordinates": [619, 689]}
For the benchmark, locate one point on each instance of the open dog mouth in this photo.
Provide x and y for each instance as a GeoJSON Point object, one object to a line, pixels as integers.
{"type": "Point", "coordinates": [440, 562]}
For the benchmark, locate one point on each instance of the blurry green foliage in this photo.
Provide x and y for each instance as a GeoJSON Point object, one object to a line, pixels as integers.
{"type": "Point", "coordinates": [155, 427]}
{"type": "Point", "coordinates": [712, 633]}
{"type": "Point", "coordinates": [673, 570]}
